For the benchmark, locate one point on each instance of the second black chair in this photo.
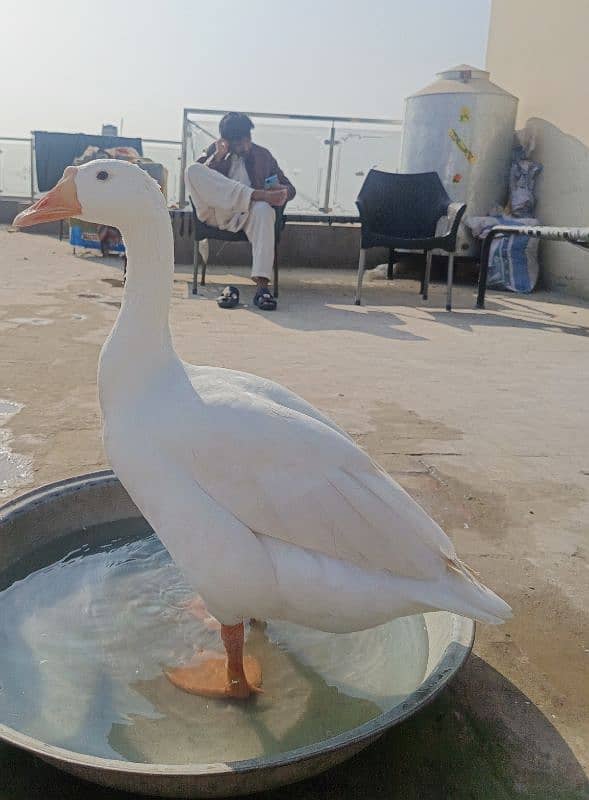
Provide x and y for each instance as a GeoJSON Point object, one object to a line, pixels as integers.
{"type": "Point", "coordinates": [401, 212]}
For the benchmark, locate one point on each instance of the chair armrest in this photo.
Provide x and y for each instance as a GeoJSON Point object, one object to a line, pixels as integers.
{"type": "Point", "coordinates": [362, 217]}
{"type": "Point", "coordinates": [454, 216]}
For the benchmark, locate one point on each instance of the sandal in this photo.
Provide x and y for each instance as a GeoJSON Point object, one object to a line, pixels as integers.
{"type": "Point", "coordinates": [229, 297]}
{"type": "Point", "coordinates": [265, 300]}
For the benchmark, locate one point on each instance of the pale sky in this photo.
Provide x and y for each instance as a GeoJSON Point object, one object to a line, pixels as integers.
{"type": "Point", "coordinates": [72, 65]}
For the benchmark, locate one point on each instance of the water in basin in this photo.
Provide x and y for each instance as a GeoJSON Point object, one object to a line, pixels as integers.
{"type": "Point", "coordinates": [85, 632]}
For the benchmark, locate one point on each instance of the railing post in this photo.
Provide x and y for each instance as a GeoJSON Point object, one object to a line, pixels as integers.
{"type": "Point", "coordinates": [32, 167]}
{"type": "Point", "coordinates": [183, 159]}
{"type": "Point", "coordinates": [326, 209]}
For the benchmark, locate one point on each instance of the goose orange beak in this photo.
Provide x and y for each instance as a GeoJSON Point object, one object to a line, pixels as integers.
{"type": "Point", "coordinates": [61, 202]}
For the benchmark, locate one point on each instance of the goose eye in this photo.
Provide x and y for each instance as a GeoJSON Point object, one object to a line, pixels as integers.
{"type": "Point", "coordinates": [102, 175]}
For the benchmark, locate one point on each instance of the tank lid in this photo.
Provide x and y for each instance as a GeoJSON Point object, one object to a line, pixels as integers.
{"type": "Point", "coordinates": [462, 78]}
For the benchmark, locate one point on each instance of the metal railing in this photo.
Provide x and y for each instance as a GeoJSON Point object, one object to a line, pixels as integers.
{"type": "Point", "coordinates": [17, 168]}
{"type": "Point", "coordinates": [168, 153]}
{"type": "Point", "coordinates": [326, 157]}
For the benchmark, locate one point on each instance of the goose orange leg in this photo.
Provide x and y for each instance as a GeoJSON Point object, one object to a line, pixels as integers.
{"type": "Point", "coordinates": [236, 677]}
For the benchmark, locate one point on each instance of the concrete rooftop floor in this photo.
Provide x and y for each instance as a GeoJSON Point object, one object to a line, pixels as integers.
{"type": "Point", "coordinates": [481, 416]}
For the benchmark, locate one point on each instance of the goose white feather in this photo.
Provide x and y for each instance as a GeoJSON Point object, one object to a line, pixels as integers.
{"type": "Point", "coordinates": [267, 506]}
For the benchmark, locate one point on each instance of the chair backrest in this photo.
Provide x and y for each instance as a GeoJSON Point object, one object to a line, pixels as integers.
{"type": "Point", "coordinates": [405, 206]}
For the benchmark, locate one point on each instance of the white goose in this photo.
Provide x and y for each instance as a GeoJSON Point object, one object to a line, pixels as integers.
{"type": "Point", "coordinates": [268, 508]}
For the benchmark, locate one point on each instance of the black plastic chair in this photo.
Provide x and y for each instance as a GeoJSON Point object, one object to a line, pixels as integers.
{"type": "Point", "coordinates": [402, 211]}
{"type": "Point", "coordinates": [203, 231]}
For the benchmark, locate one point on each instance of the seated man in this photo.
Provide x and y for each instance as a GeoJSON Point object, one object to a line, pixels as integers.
{"type": "Point", "coordinates": [233, 187]}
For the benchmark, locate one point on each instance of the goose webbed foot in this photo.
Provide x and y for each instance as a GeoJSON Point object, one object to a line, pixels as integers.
{"type": "Point", "coordinates": [236, 677]}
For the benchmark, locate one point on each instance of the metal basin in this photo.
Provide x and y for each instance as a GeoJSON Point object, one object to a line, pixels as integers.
{"type": "Point", "coordinates": [56, 512]}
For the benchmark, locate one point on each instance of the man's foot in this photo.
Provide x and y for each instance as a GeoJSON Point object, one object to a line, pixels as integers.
{"type": "Point", "coordinates": [264, 299]}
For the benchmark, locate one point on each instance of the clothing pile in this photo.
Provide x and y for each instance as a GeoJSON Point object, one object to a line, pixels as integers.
{"type": "Point", "coordinates": [513, 260]}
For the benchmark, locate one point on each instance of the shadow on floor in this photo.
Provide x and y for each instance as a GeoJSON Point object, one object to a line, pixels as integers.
{"type": "Point", "coordinates": [114, 282]}
{"type": "Point", "coordinates": [482, 739]}
{"type": "Point", "coordinates": [469, 320]}
{"type": "Point", "coordinates": [312, 305]}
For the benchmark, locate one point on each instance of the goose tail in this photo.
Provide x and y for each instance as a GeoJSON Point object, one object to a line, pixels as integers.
{"type": "Point", "coordinates": [462, 592]}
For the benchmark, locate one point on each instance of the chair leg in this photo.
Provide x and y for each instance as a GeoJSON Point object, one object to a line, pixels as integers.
{"type": "Point", "coordinates": [426, 274]}
{"type": "Point", "coordinates": [484, 268]}
{"type": "Point", "coordinates": [195, 259]}
{"type": "Point", "coordinates": [450, 281]}
{"type": "Point", "coordinates": [391, 266]}
{"type": "Point", "coordinates": [275, 287]}
{"type": "Point", "coordinates": [203, 273]}
{"type": "Point", "coordinates": [361, 268]}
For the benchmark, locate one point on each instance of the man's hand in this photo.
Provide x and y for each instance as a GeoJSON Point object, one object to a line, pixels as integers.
{"type": "Point", "coordinates": [221, 149]}
{"type": "Point", "coordinates": [278, 197]}
{"type": "Point", "coordinates": [275, 197]}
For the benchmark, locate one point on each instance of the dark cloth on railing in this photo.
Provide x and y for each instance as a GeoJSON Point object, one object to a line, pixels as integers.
{"type": "Point", "coordinates": [56, 151]}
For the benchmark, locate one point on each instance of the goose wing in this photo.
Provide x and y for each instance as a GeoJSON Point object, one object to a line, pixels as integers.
{"type": "Point", "coordinates": [294, 477]}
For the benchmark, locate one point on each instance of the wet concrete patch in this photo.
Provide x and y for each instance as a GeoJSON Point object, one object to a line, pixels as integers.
{"type": "Point", "coordinates": [397, 430]}
{"type": "Point", "coordinates": [410, 448]}
{"type": "Point", "coordinates": [31, 321]}
{"type": "Point", "coordinates": [15, 468]}
{"type": "Point", "coordinates": [100, 298]}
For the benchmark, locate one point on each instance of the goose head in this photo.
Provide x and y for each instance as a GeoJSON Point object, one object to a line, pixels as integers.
{"type": "Point", "coordinates": [105, 191]}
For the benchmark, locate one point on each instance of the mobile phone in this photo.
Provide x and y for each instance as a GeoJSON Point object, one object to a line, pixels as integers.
{"type": "Point", "coordinates": [271, 182]}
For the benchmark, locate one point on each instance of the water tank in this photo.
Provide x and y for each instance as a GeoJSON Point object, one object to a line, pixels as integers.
{"type": "Point", "coordinates": [462, 126]}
